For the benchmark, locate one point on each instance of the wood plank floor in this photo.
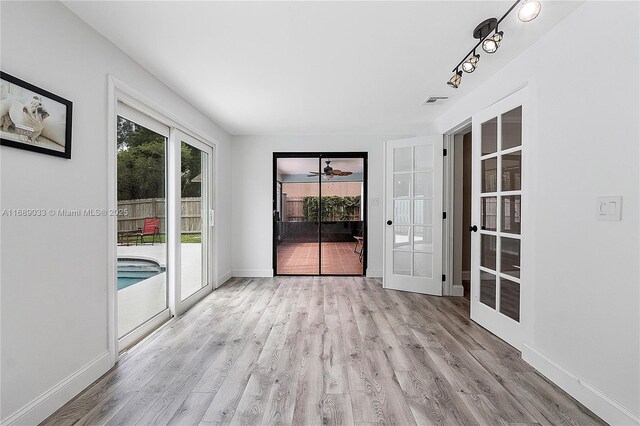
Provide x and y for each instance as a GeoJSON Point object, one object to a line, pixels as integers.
{"type": "Point", "coordinates": [331, 351]}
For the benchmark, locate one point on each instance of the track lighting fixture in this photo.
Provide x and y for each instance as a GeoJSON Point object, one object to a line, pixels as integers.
{"type": "Point", "coordinates": [529, 10]}
{"type": "Point", "coordinates": [490, 37]}
{"type": "Point", "coordinates": [471, 64]}
{"type": "Point", "coordinates": [491, 44]}
{"type": "Point", "coordinates": [455, 80]}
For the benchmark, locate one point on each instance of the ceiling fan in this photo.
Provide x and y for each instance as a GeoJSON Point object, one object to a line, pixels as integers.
{"type": "Point", "coordinates": [329, 172]}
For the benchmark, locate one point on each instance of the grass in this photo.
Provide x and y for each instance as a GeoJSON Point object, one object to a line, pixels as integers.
{"type": "Point", "coordinates": [184, 238]}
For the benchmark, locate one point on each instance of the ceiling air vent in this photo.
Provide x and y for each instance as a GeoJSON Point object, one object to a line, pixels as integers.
{"type": "Point", "coordinates": [432, 100]}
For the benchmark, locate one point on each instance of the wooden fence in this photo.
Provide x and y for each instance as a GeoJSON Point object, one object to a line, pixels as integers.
{"type": "Point", "coordinates": [294, 210]}
{"type": "Point", "coordinates": [139, 210]}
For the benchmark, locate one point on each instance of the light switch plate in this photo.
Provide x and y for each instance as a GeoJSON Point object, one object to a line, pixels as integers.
{"type": "Point", "coordinates": [609, 208]}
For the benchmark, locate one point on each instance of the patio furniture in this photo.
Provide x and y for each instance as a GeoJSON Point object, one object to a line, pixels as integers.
{"type": "Point", "coordinates": [126, 237]}
{"type": "Point", "coordinates": [359, 243]}
{"type": "Point", "coordinates": [150, 227]}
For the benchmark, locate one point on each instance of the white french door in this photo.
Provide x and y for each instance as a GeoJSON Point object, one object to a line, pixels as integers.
{"type": "Point", "coordinates": [413, 208]}
{"type": "Point", "coordinates": [496, 218]}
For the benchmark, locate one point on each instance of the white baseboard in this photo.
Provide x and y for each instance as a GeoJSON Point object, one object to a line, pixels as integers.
{"type": "Point", "coordinates": [46, 404]}
{"type": "Point", "coordinates": [607, 408]}
{"type": "Point", "coordinates": [457, 290]}
{"type": "Point", "coordinates": [250, 273]}
{"type": "Point", "coordinates": [373, 273]}
{"type": "Point", "coordinates": [224, 277]}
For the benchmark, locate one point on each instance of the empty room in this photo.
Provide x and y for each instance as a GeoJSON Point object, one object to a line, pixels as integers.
{"type": "Point", "coordinates": [320, 212]}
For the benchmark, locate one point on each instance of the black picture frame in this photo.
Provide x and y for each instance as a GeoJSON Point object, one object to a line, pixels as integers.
{"type": "Point", "coordinates": [22, 137]}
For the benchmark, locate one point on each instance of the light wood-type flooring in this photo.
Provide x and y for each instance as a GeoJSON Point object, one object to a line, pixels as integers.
{"type": "Point", "coordinates": [322, 350]}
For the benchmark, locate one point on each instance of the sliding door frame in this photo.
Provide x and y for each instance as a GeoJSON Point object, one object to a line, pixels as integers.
{"type": "Point", "coordinates": [364, 213]}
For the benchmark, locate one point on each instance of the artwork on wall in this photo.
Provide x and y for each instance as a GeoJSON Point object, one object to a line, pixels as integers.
{"type": "Point", "coordinates": [34, 119]}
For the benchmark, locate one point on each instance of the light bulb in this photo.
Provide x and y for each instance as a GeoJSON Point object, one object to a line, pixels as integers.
{"type": "Point", "coordinates": [489, 45]}
{"type": "Point", "coordinates": [529, 10]}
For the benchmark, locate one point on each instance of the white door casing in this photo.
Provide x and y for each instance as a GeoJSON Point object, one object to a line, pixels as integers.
{"type": "Point", "coordinates": [413, 215]}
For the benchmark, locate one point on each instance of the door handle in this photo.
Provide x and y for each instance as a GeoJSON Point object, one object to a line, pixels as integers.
{"type": "Point", "coordinates": [389, 222]}
{"type": "Point", "coordinates": [473, 228]}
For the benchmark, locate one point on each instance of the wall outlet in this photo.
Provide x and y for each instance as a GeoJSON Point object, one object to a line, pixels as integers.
{"type": "Point", "coordinates": [374, 202]}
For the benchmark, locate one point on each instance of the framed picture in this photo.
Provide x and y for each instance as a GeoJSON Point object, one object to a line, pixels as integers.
{"type": "Point", "coordinates": [34, 119]}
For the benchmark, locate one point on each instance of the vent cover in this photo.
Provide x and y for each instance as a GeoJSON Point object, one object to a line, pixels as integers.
{"type": "Point", "coordinates": [432, 100]}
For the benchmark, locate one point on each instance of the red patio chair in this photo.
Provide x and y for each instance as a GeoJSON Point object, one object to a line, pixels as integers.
{"type": "Point", "coordinates": [150, 227]}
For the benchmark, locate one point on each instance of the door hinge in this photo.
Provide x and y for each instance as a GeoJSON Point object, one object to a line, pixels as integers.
{"type": "Point", "coordinates": [444, 277]}
{"type": "Point", "coordinates": [444, 215]}
{"type": "Point", "coordinates": [444, 152]}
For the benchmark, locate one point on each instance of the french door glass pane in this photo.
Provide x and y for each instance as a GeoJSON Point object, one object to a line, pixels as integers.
{"type": "Point", "coordinates": [423, 185]}
{"type": "Point", "coordinates": [512, 171]}
{"type": "Point", "coordinates": [490, 136]}
{"type": "Point", "coordinates": [402, 262]}
{"type": "Point", "coordinates": [423, 238]}
{"type": "Point", "coordinates": [488, 289]}
{"type": "Point", "coordinates": [194, 220]}
{"type": "Point", "coordinates": [401, 184]}
{"type": "Point", "coordinates": [401, 240]}
{"type": "Point", "coordinates": [423, 265]}
{"type": "Point", "coordinates": [488, 251]}
{"type": "Point", "coordinates": [510, 298]}
{"type": "Point", "coordinates": [402, 159]}
{"type": "Point", "coordinates": [489, 175]}
{"type": "Point", "coordinates": [512, 128]}
{"type": "Point", "coordinates": [488, 213]}
{"type": "Point", "coordinates": [142, 249]}
{"type": "Point", "coordinates": [510, 256]}
{"type": "Point", "coordinates": [423, 212]}
{"type": "Point", "coordinates": [423, 158]}
{"type": "Point", "coordinates": [511, 214]}
{"type": "Point", "coordinates": [402, 212]}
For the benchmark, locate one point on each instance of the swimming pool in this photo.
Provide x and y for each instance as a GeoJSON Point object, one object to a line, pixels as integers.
{"type": "Point", "coordinates": [132, 271]}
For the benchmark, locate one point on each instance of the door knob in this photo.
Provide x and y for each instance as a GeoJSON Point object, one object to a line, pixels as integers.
{"type": "Point", "coordinates": [473, 228]}
{"type": "Point", "coordinates": [389, 222]}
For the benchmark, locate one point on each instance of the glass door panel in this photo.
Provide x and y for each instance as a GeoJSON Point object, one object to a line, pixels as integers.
{"type": "Point", "coordinates": [296, 236]}
{"type": "Point", "coordinates": [342, 226]}
{"type": "Point", "coordinates": [194, 219]}
{"type": "Point", "coordinates": [141, 224]}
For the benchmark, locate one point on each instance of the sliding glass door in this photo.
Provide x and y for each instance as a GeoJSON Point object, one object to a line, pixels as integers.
{"type": "Point", "coordinates": [164, 225]}
{"type": "Point", "coordinates": [319, 225]}
{"type": "Point", "coordinates": [141, 226]}
{"type": "Point", "coordinates": [196, 215]}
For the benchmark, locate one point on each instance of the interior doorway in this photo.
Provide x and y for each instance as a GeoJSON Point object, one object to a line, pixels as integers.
{"type": "Point", "coordinates": [461, 198]}
{"type": "Point", "coordinates": [319, 213]}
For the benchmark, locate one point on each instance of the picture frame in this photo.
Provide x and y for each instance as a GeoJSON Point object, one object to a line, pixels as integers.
{"type": "Point", "coordinates": [34, 119]}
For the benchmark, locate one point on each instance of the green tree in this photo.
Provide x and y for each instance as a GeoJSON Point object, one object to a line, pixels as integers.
{"type": "Point", "coordinates": [142, 164]}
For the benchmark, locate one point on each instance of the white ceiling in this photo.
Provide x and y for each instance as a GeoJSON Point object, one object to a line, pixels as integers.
{"type": "Point", "coordinates": [299, 166]}
{"type": "Point", "coordinates": [313, 67]}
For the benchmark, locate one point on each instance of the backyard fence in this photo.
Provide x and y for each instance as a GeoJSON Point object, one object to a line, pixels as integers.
{"type": "Point", "coordinates": [148, 208]}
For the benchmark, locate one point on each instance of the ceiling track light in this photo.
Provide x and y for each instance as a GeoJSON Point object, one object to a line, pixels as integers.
{"type": "Point", "coordinates": [455, 80]}
{"type": "Point", "coordinates": [470, 64]}
{"type": "Point", "coordinates": [490, 37]}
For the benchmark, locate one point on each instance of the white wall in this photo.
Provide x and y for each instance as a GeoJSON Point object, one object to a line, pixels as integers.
{"type": "Point", "coordinates": [585, 109]}
{"type": "Point", "coordinates": [54, 270]}
{"type": "Point", "coordinates": [253, 188]}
